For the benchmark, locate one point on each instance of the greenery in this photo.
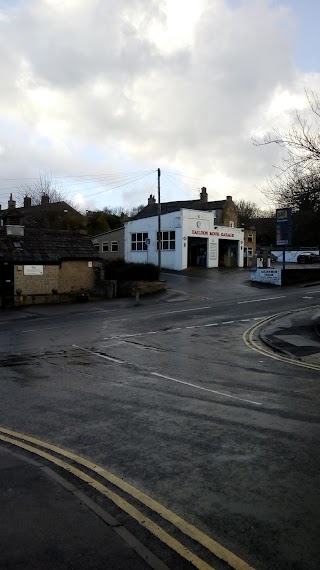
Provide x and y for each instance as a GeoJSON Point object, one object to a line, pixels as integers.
{"type": "Point", "coordinates": [119, 270]}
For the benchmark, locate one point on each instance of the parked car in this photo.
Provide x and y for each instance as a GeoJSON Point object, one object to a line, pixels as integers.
{"type": "Point", "coordinates": [308, 257]}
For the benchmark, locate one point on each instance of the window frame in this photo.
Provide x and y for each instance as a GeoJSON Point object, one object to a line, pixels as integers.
{"type": "Point", "coordinates": [168, 238]}
{"type": "Point", "coordinates": [105, 243]}
{"type": "Point", "coordinates": [97, 246]}
{"type": "Point", "coordinates": [113, 243]}
{"type": "Point", "coordinates": [139, 243]}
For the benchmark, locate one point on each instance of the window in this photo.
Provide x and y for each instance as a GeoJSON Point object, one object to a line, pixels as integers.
{"type": "Point", "coordinates": [96, 245]}
{"type": "Point", "coordinates": [249, 252]}
{"type": "Point", "coordinates": [250, 237]}
{"type": "Point", "coordinates": [114, 246]}
{"type": "Point", "coordinates": [138, 242]}
{"type": "Point", "coordinates": [105, 246]}
{"type": "Point", "coordinates": [231, 224]}
{"type": "Point", "coordinates": [168, 240]}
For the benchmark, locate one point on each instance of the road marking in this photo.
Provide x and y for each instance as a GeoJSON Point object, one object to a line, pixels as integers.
{"type": "Point", "coordinates": [185, 527]}
{"type": "Point", "coordinates": [184, 311]}
{"type": "Point", "coordinates": [116, 360]}
{"type": "Point", "coordinates": [124, 335]}
{"type": "Point", "coordinates": [29, 330]}
{"type": "Point", "coordinates": [307, 297]}
{"type": "Point", "coordinates": [248, 338]}
{"type": "Point", "coordinates": [205, 389]}
{"type": "Point", "coordinates": [264, 299]}
{"type": "Point", "coordinates": [137, 515]}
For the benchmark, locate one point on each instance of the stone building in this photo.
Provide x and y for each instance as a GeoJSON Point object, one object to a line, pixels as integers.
{"type": "Point", "coordinates": [41, 266]}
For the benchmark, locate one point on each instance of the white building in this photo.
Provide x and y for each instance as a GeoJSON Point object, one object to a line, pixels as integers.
{"type": "Point", "coordinates": [190, 236]}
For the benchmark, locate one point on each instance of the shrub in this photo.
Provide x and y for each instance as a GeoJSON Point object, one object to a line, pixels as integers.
{"type": "Point", "coordinates": [119, 270]}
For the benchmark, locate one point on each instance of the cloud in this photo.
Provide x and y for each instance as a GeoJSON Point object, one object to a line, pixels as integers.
{"type": "Point", "coordinates": [142, 84]}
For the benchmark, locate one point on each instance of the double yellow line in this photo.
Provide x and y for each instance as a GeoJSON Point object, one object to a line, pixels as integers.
{"type": "Point", "coordinates": [60, 457]}
{"type": "Point", "coordinates": [251, 338]}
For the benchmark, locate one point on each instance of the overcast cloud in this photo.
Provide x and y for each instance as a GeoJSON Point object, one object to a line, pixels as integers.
{"type": "Point", "coordinates": [105, 86]}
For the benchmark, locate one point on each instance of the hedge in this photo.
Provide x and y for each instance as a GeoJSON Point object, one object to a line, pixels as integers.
{"type": "Point", "coordinates": [119, 270]}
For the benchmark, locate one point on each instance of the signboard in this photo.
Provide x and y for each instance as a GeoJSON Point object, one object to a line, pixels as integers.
{"type": "Point", "coordinates": [218, 234]}
{"type": "Point", "coordinates": [213, 251]}
{"type": "Point", "coordinates": [272, 276]}
{"type": "Point", "coordinates": [284, 226]}
{"type": "Point", "coordinates": [33, 270]}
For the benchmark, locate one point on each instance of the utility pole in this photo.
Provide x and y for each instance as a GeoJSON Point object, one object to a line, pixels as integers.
{"type": "Point", "coordinates": [159, 222]}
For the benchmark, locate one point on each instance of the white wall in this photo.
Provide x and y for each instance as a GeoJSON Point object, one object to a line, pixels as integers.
{"type": "Point", "coordinates": [170, 259]}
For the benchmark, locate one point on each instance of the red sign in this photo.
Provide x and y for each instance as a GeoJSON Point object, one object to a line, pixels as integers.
{"type": "Point", "coordinates": [206, 233]}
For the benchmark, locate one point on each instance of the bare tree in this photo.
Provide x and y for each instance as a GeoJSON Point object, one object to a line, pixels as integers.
{"type": "Point", "coordinates": [41, 186]}
{"type": "Point", "coordinates": [297, 189]}
{"type": "Point", "coordinates": [301, 142]}
{"type": "Point", "coordinates": [247, 212]}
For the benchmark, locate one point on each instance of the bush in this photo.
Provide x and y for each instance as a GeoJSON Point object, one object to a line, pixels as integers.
{"type": "Point", "coordinates": [119, 270]}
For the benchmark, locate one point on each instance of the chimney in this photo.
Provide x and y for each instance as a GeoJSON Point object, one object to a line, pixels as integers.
{"type": "Point", "coordinates": [229, 198]}
{"type": "Point", "coordinates": [44, 199]}
{"type": "Point", "coordinates": [203, 194]}
{"type": "Point", "coordinates": [11, 202]}
{"type": "Point", "coordinates": [26, 202]}
{"type": "Point", "coordinates": [151, 200]}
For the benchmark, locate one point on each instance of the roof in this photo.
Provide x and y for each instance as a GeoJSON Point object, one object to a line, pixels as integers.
{"type": "Point", "coordinates": [45, 246]}
{"type": "Point", "coordinates": [107, 233]}
{"type": "Point", "coordinates": [168, 207]}
{"type": "Point", "coordinates": [40, 209]}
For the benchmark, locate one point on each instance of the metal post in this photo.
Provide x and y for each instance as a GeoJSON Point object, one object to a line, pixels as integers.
{"type": "Point", "coordinates": [284, 257]}
{"type": "Point", "coordinates": [159, 223]}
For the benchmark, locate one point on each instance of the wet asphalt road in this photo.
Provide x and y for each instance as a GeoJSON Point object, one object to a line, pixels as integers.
{"type": "Point", "coordinates": [167, 396]}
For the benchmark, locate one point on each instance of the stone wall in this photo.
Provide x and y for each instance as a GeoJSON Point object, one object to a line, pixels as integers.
{"type": "Point", "coordinates": [76, 275]}
{"type": "Point", "coordinates": [36, 284]}
{"type": "Point", "coordinates": [57, 284]}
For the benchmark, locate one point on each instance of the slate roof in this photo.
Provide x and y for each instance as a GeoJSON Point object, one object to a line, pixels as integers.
{"type": "Point", "coordinates": [45, 246]}
{"type": "Point", "coordinates": [40, 213]}
{"type": "Point", "coordinates": [168, 207]}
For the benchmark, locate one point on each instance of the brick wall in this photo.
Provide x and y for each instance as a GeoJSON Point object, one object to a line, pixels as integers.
{"type": "Point", "coordinates": [36, 284]}
{"type": "Point", "coordinates": [75, 275]}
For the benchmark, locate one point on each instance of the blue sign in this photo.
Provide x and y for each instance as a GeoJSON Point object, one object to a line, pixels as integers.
{"type": "Point", "coordinates": [284, 226]}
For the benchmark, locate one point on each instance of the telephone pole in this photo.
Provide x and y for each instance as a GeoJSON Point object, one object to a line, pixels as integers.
{"type": "Point", "coordinates": [159, 223]}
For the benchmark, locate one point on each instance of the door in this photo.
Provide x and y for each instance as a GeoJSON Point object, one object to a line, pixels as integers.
{"type": "Point", "coordinates": [6, 283]}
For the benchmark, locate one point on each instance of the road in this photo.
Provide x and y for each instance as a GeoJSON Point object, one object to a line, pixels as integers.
{"type": "Point", "coordinates": [166, 396]}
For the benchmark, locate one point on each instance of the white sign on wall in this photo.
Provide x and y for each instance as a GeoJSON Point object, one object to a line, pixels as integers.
{"type": "Point", "coordinates": [213, 251]}
{"type": "Point", "coordinates": [272, 276]}
{"type": "Point", "coordinates": [33, 270]}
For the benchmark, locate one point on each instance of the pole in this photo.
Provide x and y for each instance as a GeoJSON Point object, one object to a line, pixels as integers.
{"type": "Point", "coordinates": [284, 257]}
{"type": "Point", "coordinates": [159, 223]}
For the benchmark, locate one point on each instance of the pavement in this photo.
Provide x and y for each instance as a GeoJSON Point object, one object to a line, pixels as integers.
{"type": "Point", "coordinates": [45, 524]}
{"type": "Point", "coordinates": [295, 334]}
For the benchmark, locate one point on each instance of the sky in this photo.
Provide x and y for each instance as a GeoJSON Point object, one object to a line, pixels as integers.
{"type": "Point", "coordinates": [97, 95]}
